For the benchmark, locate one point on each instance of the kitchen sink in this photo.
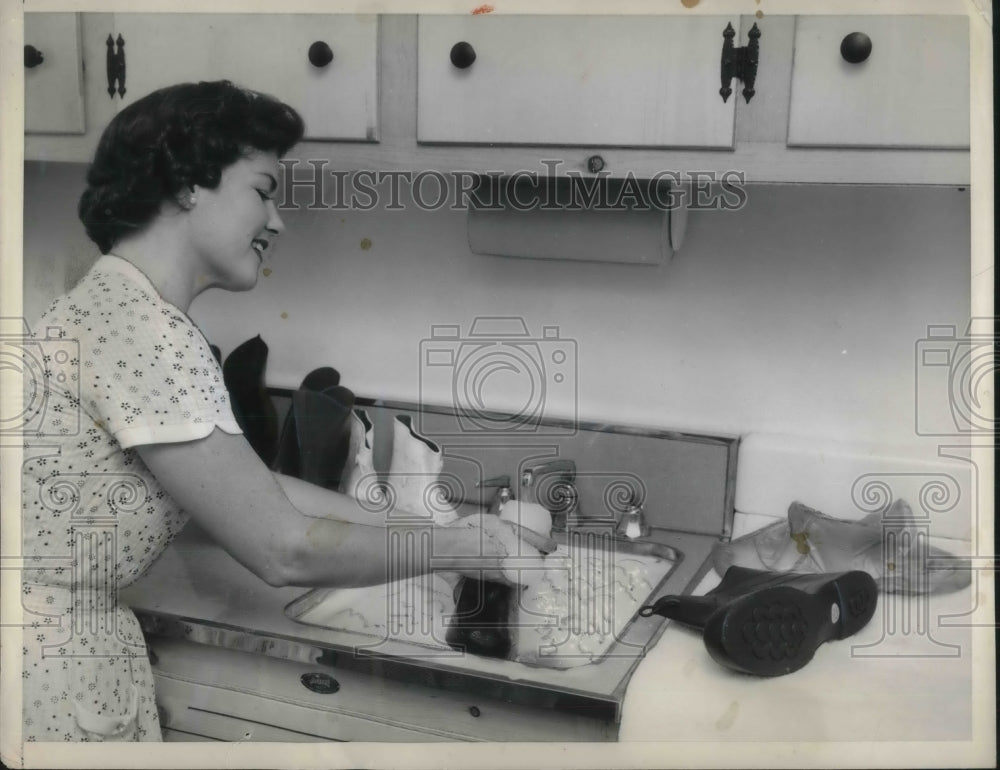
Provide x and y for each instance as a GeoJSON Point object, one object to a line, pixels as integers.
{"type": "Point", "coordinates": [576, 612]}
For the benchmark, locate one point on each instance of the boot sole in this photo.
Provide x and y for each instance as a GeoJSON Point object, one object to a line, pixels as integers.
{"type": "Point", "coordinates": [777, 630]}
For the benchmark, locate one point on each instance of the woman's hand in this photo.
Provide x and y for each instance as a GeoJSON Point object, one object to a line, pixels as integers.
{"type": "Point", "coordinates": [488, 548]}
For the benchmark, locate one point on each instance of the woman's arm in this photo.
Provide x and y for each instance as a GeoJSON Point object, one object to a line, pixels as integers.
{"type": "Point", "coordinates": [222, 483]}
{"type": "Point", "coordinates": [314, 500]}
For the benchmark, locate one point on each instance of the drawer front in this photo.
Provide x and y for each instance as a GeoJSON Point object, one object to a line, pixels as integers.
{"type": "Point", "coordinates": [222, 694]}
{"type": "Point", "coordinates": [229, 715]}
{"type": "Point", "coordinates": [267, 53]}
{"type": "Point", "coordinates": [584, 80]}
{"type": "Point", "coordinates": [911, 91]}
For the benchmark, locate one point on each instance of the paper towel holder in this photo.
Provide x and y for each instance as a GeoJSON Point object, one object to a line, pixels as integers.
{"type": "Point", "coordinates": [622, 221]}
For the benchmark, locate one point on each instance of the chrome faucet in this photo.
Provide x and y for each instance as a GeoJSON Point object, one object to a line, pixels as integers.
{"type": "Point", "coordinates": [632, 524]}
{"type": "Point", "coordinates": [552, 485]}
{"type": "Point", "coordinates": [502, 484]}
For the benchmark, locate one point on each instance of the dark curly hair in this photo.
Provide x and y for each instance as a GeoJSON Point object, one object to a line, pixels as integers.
{"type": "Point", "coordinates": [173, 138]}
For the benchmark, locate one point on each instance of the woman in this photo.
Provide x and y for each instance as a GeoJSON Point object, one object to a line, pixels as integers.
{"type": "Point", "coordinates": [179, 200]}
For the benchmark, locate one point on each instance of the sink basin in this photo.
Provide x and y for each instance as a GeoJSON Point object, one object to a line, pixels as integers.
{"type": "Point", "coordinates": [574, 612]}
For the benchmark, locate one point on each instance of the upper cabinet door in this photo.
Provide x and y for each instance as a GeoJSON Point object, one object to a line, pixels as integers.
{"type": "Point", "coordinates": [53, 74]}
{"type": "Point", "coordinates": [908, 85]}
{"type": "Point", "coordinates": [586, 80]}
{"type": "Point", "coordinates": [287, 56]}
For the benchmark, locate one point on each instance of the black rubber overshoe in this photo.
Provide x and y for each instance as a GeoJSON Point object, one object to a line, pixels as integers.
{"type": "Point", "coordinates": [776, 630]}
{"type": "Point", "coordinates": [771, 623]}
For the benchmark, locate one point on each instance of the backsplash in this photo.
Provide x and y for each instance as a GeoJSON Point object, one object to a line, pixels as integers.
{"type": "Point", "coordinates": [685, 482]}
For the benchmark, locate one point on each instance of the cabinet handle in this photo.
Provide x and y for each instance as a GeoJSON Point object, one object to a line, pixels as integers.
{"type": "Point", "coordinates": [856, 47]}
{"type": "Point", "coordinates": [739, 63]}
{"type": "Point", "coordinates": [116, 66]}
{"type": "Point", "coordinates": [463, 55]}
{"type": "Point", "coordinates": [320, 54]}
{"type": "Point", "coordinates": [32, 57]}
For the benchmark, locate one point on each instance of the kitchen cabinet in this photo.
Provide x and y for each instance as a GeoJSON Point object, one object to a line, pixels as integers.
{"type": "Point", "coordinates": [584, 80]}
{"type": "Point", "coordinates": [286, 55]}
{"type": "Point", "coordinates": [880, 81]}
{"type": "Point", "coordinates": [337, 99]}
{"type": "Point", "coordinates": [628, 95]}
{"type": "Point", "coordinates": [53, 74]}
{"type": "Point", "coordinates": [66, 96]}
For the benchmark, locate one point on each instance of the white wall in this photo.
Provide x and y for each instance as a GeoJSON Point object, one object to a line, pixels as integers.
{"type": "Point", "coordinates": [798, 314]}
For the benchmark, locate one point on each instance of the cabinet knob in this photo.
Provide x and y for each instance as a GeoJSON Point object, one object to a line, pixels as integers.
{"type": "Point", "coordinates": [320, 54]}
{"type": "Point", "coordinates": [32, 56]}
{"type": "Point", "coordinates": [856, 47]}
{"type": "Point", "coordinates": [320, 682]}
{"type": "Point", "coordinates": [463, 55]}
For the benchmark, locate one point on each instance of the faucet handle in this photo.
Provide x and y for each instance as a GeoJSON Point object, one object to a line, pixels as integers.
{"type": "Point", "coordinates": [496, 481]}
{"type": "Point", "coordinates": [502, 485]}
{"type": "Point", "coordinates": [565, 468]}
{"type": "Point", "coordinates": [633, 522]}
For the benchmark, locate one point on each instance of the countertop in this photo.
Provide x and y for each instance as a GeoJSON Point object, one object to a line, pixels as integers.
{"type": "Point", "coordinates": [198, 583]}
{"type": "Point", "coordinates": [906, 676]}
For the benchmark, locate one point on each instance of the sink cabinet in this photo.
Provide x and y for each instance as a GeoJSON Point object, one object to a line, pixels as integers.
{"type": "Point", "coordinates": [209, 693]}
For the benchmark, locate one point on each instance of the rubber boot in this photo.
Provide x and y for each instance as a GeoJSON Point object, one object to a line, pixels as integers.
{"type": "Point", "coordinates": [323, 430]}
{"type": "Point", "coordinates": [481, 624]}
{"type": "Point", "coordinates": [243, 374]}
{"type": "Point", "coordinates": [286, 458]}
{"type": "Point", "coordinates": [413, 474]}
{"type": "Point", "coordinates": [359, 479]}
{"type": "Point", "coordinates": [769, 623]}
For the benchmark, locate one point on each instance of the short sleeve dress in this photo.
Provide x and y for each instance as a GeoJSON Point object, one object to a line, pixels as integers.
{"type": "Point", "coordinates": [110, 366]}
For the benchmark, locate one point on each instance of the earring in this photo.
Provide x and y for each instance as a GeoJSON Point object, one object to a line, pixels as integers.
{"type": "Point", "coordinates": [188, 200]}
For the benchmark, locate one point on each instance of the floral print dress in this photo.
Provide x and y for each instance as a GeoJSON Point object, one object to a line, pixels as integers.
{"type": "Point", "coordinates": [110, 366]}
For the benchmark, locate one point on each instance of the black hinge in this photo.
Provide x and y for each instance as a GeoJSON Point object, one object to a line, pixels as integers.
{"type": "Point", "coordinates": [739, 63]}
{"type": "Point", "coordinates": [116, 66]}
